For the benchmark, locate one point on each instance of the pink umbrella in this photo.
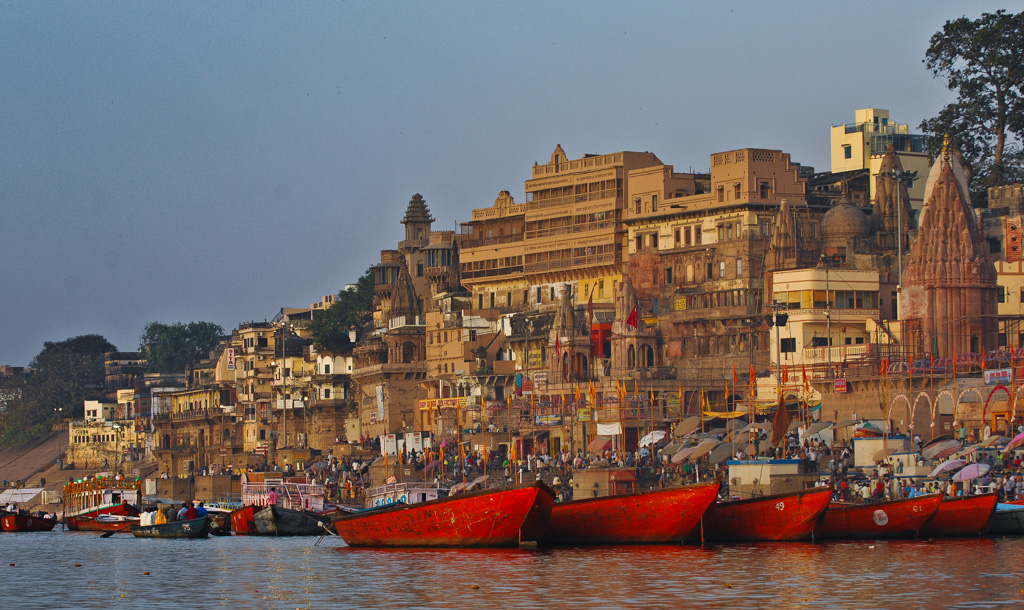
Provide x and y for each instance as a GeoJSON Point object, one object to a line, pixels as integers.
{"type": "Point", "coordinates": [947, 466]}
{"type": "Point", "coordinates": [1014, 443]}
{"type": "Point", "coordinates": [972, 471]}
{"type": "Point", "coordinates": [684, 453]}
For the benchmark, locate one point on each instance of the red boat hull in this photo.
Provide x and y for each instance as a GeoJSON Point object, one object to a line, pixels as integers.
{"type": "Point", "coordinates": [242, 522]}
{"type": "Point", "coordinates": [501, 517]}
{"type": "Point", "coordinates": [789, 516]}
{"type": "Point", "coordinates": [890, 519]}
{"type": "Point", "coordinates": [25, 523]}
{"type": "Point", "coordinates": [648, 517]}
{"type": "Point", "coordinates": [963, 516]}
{"type": "Point", "coordinates": [86, 522]}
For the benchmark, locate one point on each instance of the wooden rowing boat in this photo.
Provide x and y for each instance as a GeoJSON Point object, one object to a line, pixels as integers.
{"type": "Point", "coordinates": [900, 518]}
{"type": "Point", "coordinates": [961, 516]}
{"type": "Point", "coordinates": [26, 523]}
{"type": "Point", "coordinates": [790, 516]}
{"type": "Point", "coordinates": [191, 528]}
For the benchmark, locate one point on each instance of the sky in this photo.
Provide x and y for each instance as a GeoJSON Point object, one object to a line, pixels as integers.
{"type": "Point", "coordinates": [216, 161]}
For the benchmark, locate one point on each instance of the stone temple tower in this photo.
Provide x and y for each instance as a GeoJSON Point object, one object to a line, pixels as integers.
{"type": "Point", "coordinates": [948, 301]}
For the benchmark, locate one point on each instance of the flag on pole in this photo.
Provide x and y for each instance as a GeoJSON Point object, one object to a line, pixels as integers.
{"type": "Point", "coordinates": [780, 423]}
{"type": "Point", "coordinates": [631, 321]}
{"type": "Point", "coordinates": [592, 393]}
{"type": "Point", "coordinates": [735, 379]}
{"type": "Point", "coordinates": [679, 395]}
{"type": "Point", "coordinates": [636, 389]}
{"type": "Point", "coordinates": [807, 384]}
{"type": "Point", "coordinates": [785, 373]}
{"type": "Point", "coordinates": [385, 459]}
{"type": "Point", "coordinates": [590, 307]}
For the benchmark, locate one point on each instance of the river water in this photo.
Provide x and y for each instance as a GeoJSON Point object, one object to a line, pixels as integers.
{"type": "Point", "coordinates": [251, 572]}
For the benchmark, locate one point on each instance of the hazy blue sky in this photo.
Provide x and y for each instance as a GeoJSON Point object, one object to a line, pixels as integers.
{"type": "Point", "coordinates": [216, 161]}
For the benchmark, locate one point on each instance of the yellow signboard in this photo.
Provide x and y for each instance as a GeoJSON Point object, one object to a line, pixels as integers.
{"type": "Point", "coordinates": [443, 403]}
{"type": "Point", "coordinates": [681, 304]}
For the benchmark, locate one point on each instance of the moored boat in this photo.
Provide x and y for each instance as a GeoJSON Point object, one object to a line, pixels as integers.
{"type": "Point", "coordinates": [900, 518]}
{"type": "Point", "coordinates": [191, 528]}
{"type": "Point", "coordinates": [12, 522]}
{"type": "Point", "coordinates": [1008, 520]}
{"type": "Point", "coordinates": [790, 516]}
{"type": "Point", "coordinates": [243, 520]}
{"type": "Point", "coordinates": [961, 516]}
{"type": "Point", "coordinates": [86, 501]}
{"type": "Point", "coordinates": [278, 521]}
{"type": "Point", "coordinates": [646, 517]}
{"type": "Point", "coordinates": [504, 516]}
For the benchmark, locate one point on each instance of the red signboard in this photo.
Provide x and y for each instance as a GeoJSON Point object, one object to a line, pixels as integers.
{"type": "Point", "coordinates": [839, 386]}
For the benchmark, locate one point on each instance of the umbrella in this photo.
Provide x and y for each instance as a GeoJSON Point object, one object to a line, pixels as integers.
{"type": "Point", "coordinates": [946, 467]}
{"type": "Point", "coordinates": [794, 425]}
{"type": "Point", "coordinates": [742, 440]}
{"type": "Point", "coordinates": [947, 453]}
{"type": "Point", "coordinates": [817, 427]}
{"type": "Point", "coordinates": [682, 454]}
{"type": "Point", "coordinates": [933, 449]}
{"type": "Point", "coordinates": [762, 425]}
{"type": "Point", "coordinates": [652, 437]}
{"type": "Point", "coordinates": [671, 449]}
{"type": "Point", "coordinates": [972, 471]}
{"type": "Point", "coordinates": [869, 428]}
{"type": "Point", "coordinates": [721, 453]}
{"type": "Point", "coordinates": [964, 452]}
{"type": "Point", "coordinates": [846, 423]}
{"type": "Point", "coordinates": [992, 441]}
{"type": "Point", "coordinates": [599, 444]}
{"type": "Point", "coordinates": [703, 448]}
{"type": "Point", "coordinates": [717, 431]}
{"type": "Point", "coordinates": [1013, 444]}
{"type": "Point", "coordinates": [686, 426]}
{"type": "Point", "coordinates": [881, 454]}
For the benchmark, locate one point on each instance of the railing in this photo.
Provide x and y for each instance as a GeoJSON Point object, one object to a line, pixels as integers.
{"type": "Point", "coordinates": [492, 272]}
{"type": "Point", "coordinates": [839, 354]}
{"type": "Point", "coordinates": [539, 204]}
{"type": "Point", "coordinates": [491, 241]}
{"type": "Point", "coordinates": [569, 229]}
{"type": "Point", "coordinates": [580, 261]}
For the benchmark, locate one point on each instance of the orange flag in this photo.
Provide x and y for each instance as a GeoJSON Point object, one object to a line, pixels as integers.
{"type": "Point", "coordinates": [578, 391]}
{"type": "Point", "coordinates": [636, 389]}
{"type": "Point", "coordinates": [735, 379]}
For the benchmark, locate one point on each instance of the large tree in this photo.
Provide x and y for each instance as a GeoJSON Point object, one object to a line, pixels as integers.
{"type": "Point", "coordinates": [172, 348]}
{"type": "Point", "coordinates": [64, 375]}
{"type": "Point", "coordinates": [352, 310]}
{"type": "Point", "coordinates": [982, 61]}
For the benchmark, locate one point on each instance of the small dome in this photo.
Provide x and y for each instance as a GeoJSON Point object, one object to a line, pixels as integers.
{"type": "Point", "coordinates": [844, 221]}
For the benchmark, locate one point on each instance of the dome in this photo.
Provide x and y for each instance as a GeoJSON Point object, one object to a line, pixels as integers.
{"type": "Point", "coordinates": [844, 221]}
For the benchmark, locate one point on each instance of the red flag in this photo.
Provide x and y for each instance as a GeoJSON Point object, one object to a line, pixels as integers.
{"type": "Point", "coordinates": [807, 384]}
{"type": "Point", "coordinates": [780, 424]}
{"type": "Point", "coordinates": [631, 320]}
{"type": "Point", "coordinates": [590, 307]}
{"type": "Point", "coordinates": [753, 374]}
{"type": "Point", "coordinates": [735, 379]}
{"type": "Point", "coordinates": [785, 373]}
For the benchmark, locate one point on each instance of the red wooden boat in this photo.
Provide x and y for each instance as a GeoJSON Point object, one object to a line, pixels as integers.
{"type": "Point", "coordinates": [646, 517]}
{"type": "Point", "coordinates": [242, 520]}
{"type": "Point", "coordinates": [500, 516]}
{"type": "Point", "coordinates": [789, 516]}
{"type": "Point", "coordinates": [86, 501]}
{"type": "Point", "coordinates": [962, 516]}
{"type": "Point", "coordinates": [26, 523]}
{"type": "Point", "coordinates": [890, 519]}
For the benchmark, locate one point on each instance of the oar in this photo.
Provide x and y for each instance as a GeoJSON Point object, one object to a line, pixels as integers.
{"type": "Point", "coordinates": [112, 532]}
{"type": "Point", "coordinates": [326, 529]}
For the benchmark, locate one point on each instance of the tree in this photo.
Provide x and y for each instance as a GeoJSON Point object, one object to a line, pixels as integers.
{"type": "Point", "coordinates": [64, 375]}
{"type": "Point", "coordinates": [172, 348]}
{"type": "Point", "coordinates": [982, 60]}
{"type": "Point", "coordinates": [353, 309]}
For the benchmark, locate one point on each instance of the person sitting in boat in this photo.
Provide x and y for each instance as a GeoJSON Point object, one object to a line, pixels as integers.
{"type": "Point", "coordinates": [201, 510]}
{"type": "Point", "coordinates": [182, 511]}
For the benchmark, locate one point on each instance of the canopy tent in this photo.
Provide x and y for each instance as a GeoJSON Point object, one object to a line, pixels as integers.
{"type": "Point", "coordinates": [599, 443]}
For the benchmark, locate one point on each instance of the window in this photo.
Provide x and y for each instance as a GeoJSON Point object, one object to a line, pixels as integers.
{"type": "Point", "coordinates": [721, 194]}
{"type": "Point", "coordinates": [710, 272]}
{"type": "Point", "coordinates": [1001, 295]}
{"type": "Point", "coordinates": [995, 246]}
{"type": "Point", "coordinates": [721, 270]}
{"type": "Point", "coordinates": [552, 293]}
{"type": "Point", "coordinates": [639, 243]}
{"type": "Point", "coordinates": [765, 190]}
{"type": "Point", "coordinates": [540, 295]}
{"type": "Point", "coordinates": [419, 269]}
{"type": "Point", "coordinates": [654, 241]}
{"type": "Point", "coordinates": [687, 236]}
{"type": "Point", "coordinates": [654, 203]}
{"type": "Point", "coordinates": [668, 275]}
{"type": "Point", "coordinates": [676, 233]}
{"type": "Point", "coordinates": [847, 151]}
{"type": "Point", "coordinates": [327, 392]}
{"type": "Point", "coordinates": [696, 235]}
{"type": "Point", "coordinates": [736, 190]}
{"type": "Point", "coordinates": [739, 267]}
{"type": "Point", "coordinates": [638, 206]}
{"type": "Point", "coordinates": [327, 369]}
{"type": "Point", "coordinates": [492, 300]}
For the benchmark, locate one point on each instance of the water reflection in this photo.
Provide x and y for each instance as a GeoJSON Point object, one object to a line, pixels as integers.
{"type": "Point", "coordinates": [278, 573]}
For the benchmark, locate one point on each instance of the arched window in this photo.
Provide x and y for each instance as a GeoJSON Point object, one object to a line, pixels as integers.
{"type": "Point", "coordinates": [631, 357]}
{"type": "Point", "coordinates": [646, 356]}
{"type": "Point", "coordinates": [565, 365]}
{"type": "Point", "coordinates": [408, 352]}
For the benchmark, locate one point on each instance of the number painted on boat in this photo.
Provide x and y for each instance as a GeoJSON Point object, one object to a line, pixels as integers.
{"type": "Point", "coordinates": [780, 506]}
{"type": "Point", "coordinates": [402, 499]}
{"type": "Point", "coordinates": [391, 501]}
{"type": "Point", "coordinates": [917, 508]}
{"type": "Point", "coordinates": [880, 517]}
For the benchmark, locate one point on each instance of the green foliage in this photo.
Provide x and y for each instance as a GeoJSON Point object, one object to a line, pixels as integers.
{"type": "Point", "coordinates": [352, 310]}
{"type": "Point", "coordinates": [982, 60]}
{"type": "Point", "coordinates": [64, 375]}
{"type": "Point", "coordinates": [172, 348]}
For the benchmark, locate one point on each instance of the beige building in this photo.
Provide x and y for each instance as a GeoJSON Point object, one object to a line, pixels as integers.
{"type": "Point", "coordinates": [862, 144]}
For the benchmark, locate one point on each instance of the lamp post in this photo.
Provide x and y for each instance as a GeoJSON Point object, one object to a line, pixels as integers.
{"type": "Point", "coordinates": [901, 177]}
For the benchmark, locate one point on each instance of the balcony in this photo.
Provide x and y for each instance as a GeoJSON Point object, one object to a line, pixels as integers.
{"type": "Point", "coordinates": [571, 199]}
{"type": "Point", "coordinates": [566, 263]}
{"type": "Point", "coordinates": [466, 275]}
{"type": "Point", "coordinates": [571, 229]}
{"type": "Point", "coordinates": [491, 241]}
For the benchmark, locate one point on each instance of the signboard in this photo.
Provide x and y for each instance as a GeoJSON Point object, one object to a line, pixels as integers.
{"type": "Point", "coordinates": [432, 404]}
{"type": "Point", "coordinates": [223, 450]}
{"type": "Point", "coordinates": [231, 358]}
{"type": "Point", "coordinates": [839, 386]}
{"type": "Point", "coordinates": [547, 420]}
{"type": "Point", "coordinates": [527, 387]}
{"type": "Point", "coordinates": [380, 403]}
{"type": "Point", "coordinates": [998, 377]}
{"type": "Point", "coordinates": [534, 359]}
{"type": "Point", "coordinates": [540, 381]}
{"type": "Point", "coordinates": [582, 414]}
{"type": "Point", "coordinates": [681, 304]}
